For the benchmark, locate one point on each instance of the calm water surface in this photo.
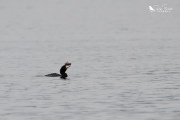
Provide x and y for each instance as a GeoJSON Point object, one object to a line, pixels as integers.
{"type": "Point", "coordinates": [125, 65]}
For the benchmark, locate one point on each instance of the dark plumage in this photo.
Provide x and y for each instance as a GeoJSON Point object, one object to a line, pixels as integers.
{"type": "Point", "coordinates": [62, 71]}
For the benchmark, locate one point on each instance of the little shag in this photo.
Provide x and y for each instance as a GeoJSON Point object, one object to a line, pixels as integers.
{"type": "Point", "coordinates": [63, 73]}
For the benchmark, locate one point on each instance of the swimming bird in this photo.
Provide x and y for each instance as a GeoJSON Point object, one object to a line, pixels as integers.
{"type": "Point", "coordinates": [63, 73]}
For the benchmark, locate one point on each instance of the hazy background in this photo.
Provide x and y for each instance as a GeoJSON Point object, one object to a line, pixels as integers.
{"type": "Point", "coordinates": [125, 60]}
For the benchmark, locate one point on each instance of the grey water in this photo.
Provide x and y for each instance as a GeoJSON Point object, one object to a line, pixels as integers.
{"type": "Point", "coordinates": [125, 60]}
